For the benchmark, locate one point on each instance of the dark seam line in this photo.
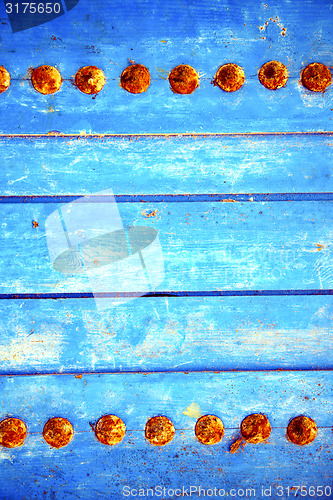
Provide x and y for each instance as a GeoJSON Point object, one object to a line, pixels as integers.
{"type": "Point", "coordinates": [169, 198]}
{"type": "Point", "coordinates": [142, 373]}
{"type": "Point", "coordinates": [58, 135]}
{"type": "Point", "coordinates": [175, 293]}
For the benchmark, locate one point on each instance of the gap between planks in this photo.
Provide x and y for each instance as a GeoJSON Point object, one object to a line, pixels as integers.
{"type": "Point", "coordinates": [166, 372]}
{"type": "Point", "coordinates": [173, 293]}
{"type": "Point", "coordinates": [168, 198]}
{"type": "Point", "coordinates": [56, 134]}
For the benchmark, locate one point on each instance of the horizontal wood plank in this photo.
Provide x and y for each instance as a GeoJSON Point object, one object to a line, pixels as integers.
{"type": "Point", "coordinates": [203, 34]}
{"type": "Point", "coordinates": [167, 165]}
{"type": "Point", "coordinates": [163, 334]}
{"type": "Point", "coordinates": [206, 246]}
{"type": "Point", "coordinates": [72, 471]}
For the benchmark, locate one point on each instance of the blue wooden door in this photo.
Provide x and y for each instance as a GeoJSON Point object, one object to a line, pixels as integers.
{"type": "Point", "coordinates": [218, 209]}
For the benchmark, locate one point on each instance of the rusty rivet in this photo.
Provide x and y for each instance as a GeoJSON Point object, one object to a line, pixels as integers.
{"type": "Point", "coordinates": [159, 430]}
{"type": "Point", "coordinates": [58, 432]}
{"type": "Point", "coordinates": [135, 79]}
{"type": "Point", "coordinates": [316, 77]}
{"type": "Point", "coordinates": [184, 79]}
{"type": "Point", "coordinates": [110, 429]}
{"type": "Point", "coordinates": [255, 428]}
{"type": "Point", "coordinates": [209, 429]}
{"type": "Point", "coordinates": [90, 79]}
{"type": "Point", "coordinates": [4, 79]}
{"type": "Point", "coordinates": [46, 79]}
{"type": "Point", "coordinates": [229, 77]}
{"type": "Point", "coordinates": [12, 432]}
{"type": "Point", "coordinates": [273, 75]}
{"type": "Point", "coordinates": [302, 430]}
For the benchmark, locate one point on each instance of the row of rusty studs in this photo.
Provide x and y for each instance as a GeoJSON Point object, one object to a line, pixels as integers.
{"type": "Point", "coordinates": [159, 431]}
{"type": "Point", "coordinates": [183, 79]}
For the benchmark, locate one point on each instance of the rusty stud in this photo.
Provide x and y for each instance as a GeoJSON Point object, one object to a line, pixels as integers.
{"type": "Point", "coordinates": [46, 79]}
{"type": "Point", "coordinates": [273, 75]}
{"type": "Point", "coordinates": [90, 79]}
{"type": "Point", "coordinates": [110, 430]}
{"type": "Point", "coordinates": [135, 79]}
{"type": "Point", "coordinates": [4, 79]}
{"type": "Point", "coordinates": [316, 77]}
{"type": "Point", "coordinates": [12, 432]}
{"type": "Point", "coordinates": [302, 430]}
{"type": "Point", "coordinates": [184, 79]}
{"type": "Point", "coordinates": [58, 432]}
{"type": "Point", "coordinates": [229, 77]}
{"type": "Point", "coordinates": [209, 429]}
{"type": "Point", "coordinates": [255, 428]}
{"type": "Point", "coordinates": [159, 430]}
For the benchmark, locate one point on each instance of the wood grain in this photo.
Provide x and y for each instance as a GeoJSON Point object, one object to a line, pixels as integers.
{"type": "Point", "coordinates": [202, 34]}
{"type": "Point", "coordinates": [205, 246]}
{"type": "Point", "coordinates": [135, 398]}
{"type": "Point", "coordinates": [200, 333]}
{"type": "Point", "coordinates": [239, 187]}
{"type": "Point", "coordinates": [300, 163]}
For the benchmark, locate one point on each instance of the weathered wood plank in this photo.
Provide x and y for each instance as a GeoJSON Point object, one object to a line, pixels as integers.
{"type": "Point", "coordinates": [73, 471]}
{"type": "Point", "coordinates": [167, 165]}
{"type": "Point", "coordinates": [88, 469]}
{"type": "Point", "coordinates": [203, 34]}
{"type": "Point", "coordinates": [201, 333]}
{"type": "Point", "coordinates": [206, 246]}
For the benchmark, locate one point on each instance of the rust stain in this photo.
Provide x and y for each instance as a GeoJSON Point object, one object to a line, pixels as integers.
{"type": "Point", "coordinates": [162, 73]}
{"type": "Point", "coordinates": [35, 224]}
{"type": "Point", "coordinates": [277, 21]}
{"type": "Point", "coordinates": [320, 247]}
{"type": "Point", "coordinates": [78, 376]}
{"type": "Point", "coordinates": [149, 213]}
{"type": "Point", "coordinates": [234, 447]}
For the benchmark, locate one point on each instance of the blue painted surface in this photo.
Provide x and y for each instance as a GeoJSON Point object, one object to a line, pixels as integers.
{"type": "Point", "coordinates": [244, 218]}
{"type": "Point", "coordinates": [300, 163]}
{"type": "Point", "coordinates": [161, 36]}
{"type": "Point", "coordinates": [205, 246]}
{"type": "Point", "coordinates": [88, 469]}
{"type": "Point", "coordinates": [166, 334]}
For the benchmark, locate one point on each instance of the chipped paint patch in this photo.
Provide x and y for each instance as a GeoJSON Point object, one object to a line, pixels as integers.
{"type": "Point", "coordinates": [193, 411]}
{"type": "Point", "coordinates": [41, 348]}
